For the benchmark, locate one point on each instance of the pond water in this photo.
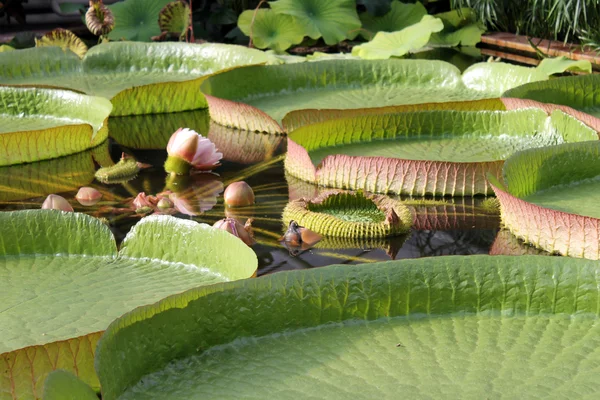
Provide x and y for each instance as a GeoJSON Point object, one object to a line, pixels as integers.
{"type": "Point", "coordinates": [446, 226]}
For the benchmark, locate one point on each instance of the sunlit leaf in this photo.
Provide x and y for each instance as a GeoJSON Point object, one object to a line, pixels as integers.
{"type": "Point", "coordinates": [558, 65]}
{"type": "Point", "coordinates": [64, 39]}
{"type": "Point", "coordinates": [461, 27]}
{"type": "Point", "coordinates": [400, 16]}
{"type": "Point", "coordinates": [334, 20]}
{"type": "Point", "coordinates": [271, 30]}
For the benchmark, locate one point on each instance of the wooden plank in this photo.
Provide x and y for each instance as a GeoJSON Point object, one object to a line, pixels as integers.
{"type": "Point", "coordinates": [551, 48]}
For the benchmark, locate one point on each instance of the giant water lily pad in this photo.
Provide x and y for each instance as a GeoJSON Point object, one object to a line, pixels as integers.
{"type": "Point", "coordinates": [350, 215]}
{"type": "Point", "coordinates": [420, 153]}
{"type": "Point", "coordinates": [550, 198]}
{"type": "Point", "coordinates": [579, 92]}
{"type": "Point", "coordinates": [39, 124]}
{"type": "Point", "coordinates": [457, 327]}
{"type": "Point", "coordinates": [64, 281]}
{"type": "Point", "coordinates": [257, 98]}
{"type": "Point", "coordinates": [139, 78]}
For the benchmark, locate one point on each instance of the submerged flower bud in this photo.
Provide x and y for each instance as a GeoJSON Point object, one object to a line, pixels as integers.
{"type": "Point", "coordinates": [244, 232]}
{"type": "Point", "coordinates": [56, 202]}
{"type": "Point", "coordinates": [142, 201]}
{"type": "Point", "coordinates": [88, 196]}
{"type": "Point", "coordinates": [297, 236]}
{"type": "Point", "coordinates": [187, 149]}
{"type": "Point", "coordinates": [239, 194]}
{"type": "Point", "coordinates": [164, 203]}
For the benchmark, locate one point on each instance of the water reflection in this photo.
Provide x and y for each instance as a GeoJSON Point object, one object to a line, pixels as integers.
{"type": "Point", "coordinates": [509, 245]}
{"type": "Point", "coordinates": [442, 226]}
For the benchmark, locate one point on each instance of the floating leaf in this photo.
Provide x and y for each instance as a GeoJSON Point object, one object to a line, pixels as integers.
{"type": "Point", "coordinates": [99, 18]}
{"type": "Point", "coordinates": [138, 78]}
{"type": "Point", "coordinates": [67, 282]}
{"type": "Point", "coordinates": [350, 215]}
{"type": "Point", "coordinates": [175, 17]}
{"type": "Point", "coordinates": [334, 20]}
{"type": "Point", "coordinates": [558, 65]}
{"type": "Point", "coordinates": [452, 327]}
{"type": "Point", "coordinates": [136, 19]}
{"type": "Point", "coordinates": [461, 27]}
{"type": "Point", "coordinates": [64, 39]}
{"type": "Point", "coordinates": [39, 124]}
{"type": "Point", "coordinates": [579, 92]}
{"type": "Point", "coordinates": [270, 30]}
{"type": "Point", "coordinates": [62, 385]}
{"type": "Point", "coordinates": [396, 44]}
{"type": "Point", "coordinates": [549, 198]}
{"type": "Point", "coordinates": [423, 153]}
{"type": "Point", "coordinates": [401, 15]}
{"type": "Point", "coordinates": [252, 99]}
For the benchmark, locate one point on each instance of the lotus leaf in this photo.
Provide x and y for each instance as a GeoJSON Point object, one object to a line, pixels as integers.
{"type": "Point", "coordinates": [350, 215]}
{"type": "Point", "coordinates": [396, 44]}
{"type": "Point", "coordinates": [39, 124]}
{"type": "Point", "coordinates": [139, 78]}
{"type": "Point", "coordinates": [175, 17]}
{"type": "Point", "coordinates": [62, 385]}
{"type": "Point", "coordinates": [421, 153]}
{"type": "Point", "coordinates": [375, 7]}
{"type": "Point", "coordinates": [444, 327]}
{"type": "Point", "coordinates": [334, 20]}
{"type": "Point", "coordinates": [271, 30]}
{"type": "Point", "coordinates": [579, 92]}
{"type": "Point", "coordinates": [64, 282]}
{"type": "Point", "coordinates": [557, 65]}
{"type": "Point", "coordinates": [400, 16]}
{"type": "Point", "coordinates": [550, 198]}
{"type": "Point", "coordinates": [257, 98]}
{"type": "Point", "coordinates": [461, 27]}
{"type": "Point", "coordinates": [136, 19]}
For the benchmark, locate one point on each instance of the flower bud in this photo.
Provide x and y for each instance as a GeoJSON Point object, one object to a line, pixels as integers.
{"type": "Point", "coordinates": [88, 196]}
{"type": "Point", "coordinates": [164, 203]}
{"type": "Point", "coordinates": [56, 202]}
{"type": "Point", "coordinates": [244, 232]}
{"type": "Point", "coordinates": [239, 194]}
{"type": "Point", "coordinates": [187, 149]}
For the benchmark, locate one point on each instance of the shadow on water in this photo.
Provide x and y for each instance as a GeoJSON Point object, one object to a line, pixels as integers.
{"type": "Point", "coordinates": [442, 226]}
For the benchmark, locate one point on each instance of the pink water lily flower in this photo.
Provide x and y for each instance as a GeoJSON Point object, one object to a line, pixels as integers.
{"type": "Point", "coordinates": [187, 149]}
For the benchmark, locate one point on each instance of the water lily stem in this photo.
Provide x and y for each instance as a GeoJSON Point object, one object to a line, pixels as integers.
{"type": "Point", "coordinates": [260, 3]}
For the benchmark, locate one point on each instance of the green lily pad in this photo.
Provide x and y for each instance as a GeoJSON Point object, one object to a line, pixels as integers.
{"type": "Point", "coordinates": [139, 78]}
{"type": "Point", "coordinates": [39, 124]}
{"type": "Point", "coordinates": [461, 27]}
{"type": "Point", "coordinates": [334, 20]}
{"type": "Point", "coordinates": [455, 327]}
{"type": "Point", "coordinates": [549, 198]}
{"type": "Point", "coordinates": [558, 65]}
{"type": "Point", "coordinates": [423, 153]}
{"type": "Point", "coordinates": [401, 15]}
{"type": "Point", "coordinates": [65, 281]}
{"type": "Point", "coordinates": [136, 20]}
{"type": "Point", "coordinates": [396, 44]}
{"type": "Point", "coordinates": [254, 98]}
{"type": "Point", "coordinates": [270, 29]}
{"type": "Point", "coordinates": [350, 215]}
{"type": "Point", "coordinates": [579, 92]}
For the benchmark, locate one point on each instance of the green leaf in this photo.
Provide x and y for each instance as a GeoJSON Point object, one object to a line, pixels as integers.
{"type": "Point", "coordinates": [271, 30]}
{"type": "Point", "coordinates": [136, 20]}
{"type": "Point", "coordinates": [139, 78]}
{"type": "Point", "coordinates": [455, 327]}
{"type": "Point", "coordinates": [66, 282]}
{"type": "Point", "coordinates": [5, 47]}
{"type": "Point", "coordinates": [318, 56]}
{"type": "Point", "coordinates": [400, 16]}
{"type": "Point", "coordinates": [175, 17]}
{"type": "Point", "coordinates": [62, 385]}
{"type": "Point", "coordinates": [558, 65]}
{"type": "Point", "coordinates": [396, 44]}
{"type": "Point", "coordinates": [554, 187]}
{"type": "Point", "coordinates": [578, 92]}
{"type": "Point", "coordinates": [461, 27]}
{"type": "Point", "coordinates": [334, 20]}
{"type": "Point", "coordinates": [252, 98]}
{"type": "Point", "coordinates": [64, 39]}
{"type": "Point", "coordinates": [38, 124]}
{"type": "Point", "coordinates": [423, 153]}
{"type": "Point", "coordinates": [375, 7]}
